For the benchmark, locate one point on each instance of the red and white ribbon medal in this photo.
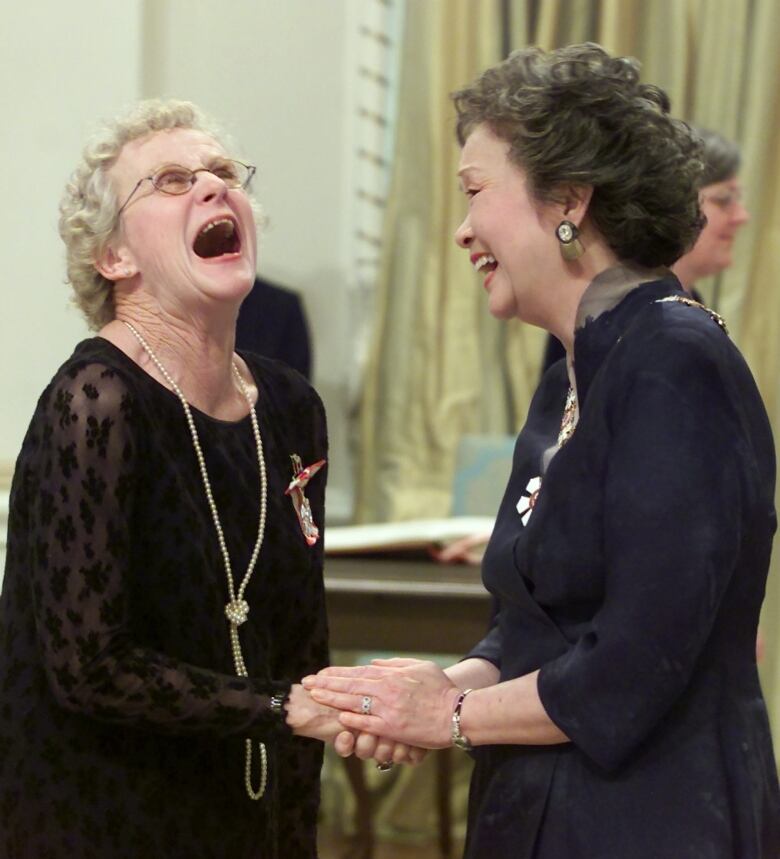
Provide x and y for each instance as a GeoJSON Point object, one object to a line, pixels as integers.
{"type": "Point", "coordinates": [301, 476]}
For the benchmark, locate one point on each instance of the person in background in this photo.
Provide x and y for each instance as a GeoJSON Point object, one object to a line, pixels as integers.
{"type": "Point", "coordinates": [614, 707]}
{"type": "Point", "coordinates": [163, 589]}
{"type": "Point", "coordinates": [720, 198]}
{"type": "Point", "coordinates": [272, 322]}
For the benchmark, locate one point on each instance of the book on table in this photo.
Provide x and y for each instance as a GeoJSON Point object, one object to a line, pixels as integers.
{"type": "Point", "coordinates": [410, 536]}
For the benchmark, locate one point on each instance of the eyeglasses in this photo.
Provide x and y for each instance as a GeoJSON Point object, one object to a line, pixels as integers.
{"type": "Point", "coordinates": [175, 180]}
{"type": "Point", "coordinates": [725, 199]}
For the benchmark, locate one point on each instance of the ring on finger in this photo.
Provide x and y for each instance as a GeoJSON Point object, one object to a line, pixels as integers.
{"type": "Point", "coordinates": [365, 705]}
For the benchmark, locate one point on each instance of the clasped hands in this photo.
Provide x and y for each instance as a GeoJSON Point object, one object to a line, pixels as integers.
{"type": "Point", "coordinates": [391, 710]}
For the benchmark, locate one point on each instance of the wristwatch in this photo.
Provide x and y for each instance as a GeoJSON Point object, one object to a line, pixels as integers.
{"type": "Point", "coordinates": [459, 739]}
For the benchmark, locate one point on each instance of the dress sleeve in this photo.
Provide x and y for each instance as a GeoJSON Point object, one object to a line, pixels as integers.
{"type": "Point", "coordinates": [80, 509]}
{"type": "Point", "coordinates": [677, 485]}
{"type": "Point", "coordinates": [489, 647]}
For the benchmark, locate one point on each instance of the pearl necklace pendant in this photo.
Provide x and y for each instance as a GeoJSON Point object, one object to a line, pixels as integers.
{"type": "Point", "coordinates": [237, 611]}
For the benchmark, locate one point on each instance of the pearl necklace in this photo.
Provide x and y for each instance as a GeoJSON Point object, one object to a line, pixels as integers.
{"type": "Point", "coordinates": [237, 609]}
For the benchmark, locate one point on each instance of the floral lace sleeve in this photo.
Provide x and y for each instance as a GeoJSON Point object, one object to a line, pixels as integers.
{"type": "Point", "coordinates": [79, 490]}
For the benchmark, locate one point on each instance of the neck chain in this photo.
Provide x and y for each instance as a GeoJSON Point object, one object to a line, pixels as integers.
{"type": "Point", "coordinates": [237, 609]}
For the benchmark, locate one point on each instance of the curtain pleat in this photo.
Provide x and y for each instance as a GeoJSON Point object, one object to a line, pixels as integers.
{"type": "Point", "coordinates": [425, 379]}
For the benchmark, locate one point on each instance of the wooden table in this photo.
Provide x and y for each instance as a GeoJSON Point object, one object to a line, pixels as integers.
{"type": "Point", "coordinates": [399, 604]}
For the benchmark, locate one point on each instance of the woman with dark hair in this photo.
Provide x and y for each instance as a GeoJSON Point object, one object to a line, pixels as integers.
{"type": "Point", "coordinates": [720, 199]}
{"type": "Point", "coordinates": [614, 708]}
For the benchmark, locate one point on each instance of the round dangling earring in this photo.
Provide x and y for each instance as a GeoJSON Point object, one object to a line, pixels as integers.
{"type": "Point", "coordinates": [567, 235]}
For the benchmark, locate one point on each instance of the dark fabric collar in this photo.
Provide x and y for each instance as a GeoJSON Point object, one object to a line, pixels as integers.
{"type": "Point", "coordinates": [599, 333]}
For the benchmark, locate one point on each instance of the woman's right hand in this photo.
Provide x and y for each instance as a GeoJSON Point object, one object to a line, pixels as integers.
{"type": "Point", "coordinates": [307, 718]}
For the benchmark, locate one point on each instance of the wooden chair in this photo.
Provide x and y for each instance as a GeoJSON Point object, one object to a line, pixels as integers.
{"type": "Point", "coordinates": [363, 846]}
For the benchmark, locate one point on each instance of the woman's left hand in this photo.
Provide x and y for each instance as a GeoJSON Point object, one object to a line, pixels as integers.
{"type": "Point", "coordinates": [405, 700]}
{"type": "Point", "coordinates": [385, 752]}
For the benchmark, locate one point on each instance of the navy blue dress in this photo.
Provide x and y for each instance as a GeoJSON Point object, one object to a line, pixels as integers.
{"type": "Point", "coordinates": [122, 722]}
{"type": "Point", "coordinates": [635, 587]}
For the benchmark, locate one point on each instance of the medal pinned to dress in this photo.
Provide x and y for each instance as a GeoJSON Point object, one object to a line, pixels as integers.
{"type": "Point", "coordinates": [301, 476]}
{"type": "Point", "coordinates": [527, 501]}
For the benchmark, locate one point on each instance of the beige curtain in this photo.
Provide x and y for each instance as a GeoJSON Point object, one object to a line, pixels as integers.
{"type": "Point", "coordinates": [426, 373]}
{"type": "Point", "coordinates": [441, 367]}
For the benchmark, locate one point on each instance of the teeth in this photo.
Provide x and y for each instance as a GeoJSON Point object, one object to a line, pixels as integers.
{"type": "Point", "coordinates": [210, 226]}
{"type": "Point", "coordinates": [484, 260]}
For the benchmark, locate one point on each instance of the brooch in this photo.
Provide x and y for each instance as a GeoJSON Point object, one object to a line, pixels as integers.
{"type": "Point", "coordinates": [525, 506]}
{"type": "Point", "coordinates": [301, 476]}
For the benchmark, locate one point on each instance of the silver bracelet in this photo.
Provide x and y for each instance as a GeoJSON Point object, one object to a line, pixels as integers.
{"type": "Point", "coordinates": [277, 704]}
{"type": "Point", "coordinates": [459, 739]}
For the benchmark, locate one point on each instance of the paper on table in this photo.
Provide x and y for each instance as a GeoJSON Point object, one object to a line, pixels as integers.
{"type": "Point", "coordinates": [395, 536]}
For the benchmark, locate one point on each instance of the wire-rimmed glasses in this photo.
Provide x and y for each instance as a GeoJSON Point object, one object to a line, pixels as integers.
{"type": "Point", "coordinates": [724, 198]}
{"type": "Point", "coordinates": [174, 179]}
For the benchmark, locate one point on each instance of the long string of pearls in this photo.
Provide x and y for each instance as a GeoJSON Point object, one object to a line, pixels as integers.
{"type": "Point", "coordinates": [237, 609]}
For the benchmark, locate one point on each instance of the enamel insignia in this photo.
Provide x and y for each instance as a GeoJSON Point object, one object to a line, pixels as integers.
{"type": "Point", "coordinates": [527, 502]}
{"type": "Point", "coordinates": [301, 477]}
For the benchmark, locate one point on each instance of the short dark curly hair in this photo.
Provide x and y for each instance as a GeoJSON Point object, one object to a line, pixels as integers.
{"type": "Point", "coordinates": [577, 116]}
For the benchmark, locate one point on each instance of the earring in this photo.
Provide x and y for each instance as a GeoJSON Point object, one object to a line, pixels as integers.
{"type": "Point", "coordinates": [125, 272]}
{"type": "Point", "coordinates": [567, 235]}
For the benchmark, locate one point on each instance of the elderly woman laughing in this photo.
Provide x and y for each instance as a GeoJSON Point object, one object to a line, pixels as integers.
{"type": "Point", "coordinates": [162, 591]}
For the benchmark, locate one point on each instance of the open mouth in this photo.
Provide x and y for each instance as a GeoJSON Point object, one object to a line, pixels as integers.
{"type": "Point", "coordinates": [486, 264]}
{"type": "Point", "coordinates": [217, 238]}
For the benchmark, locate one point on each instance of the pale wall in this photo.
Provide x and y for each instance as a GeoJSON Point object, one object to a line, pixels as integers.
{"type": "Point", "coordinates": [57, 74]}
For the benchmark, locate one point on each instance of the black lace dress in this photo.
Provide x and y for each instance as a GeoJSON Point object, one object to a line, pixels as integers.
{"type": "Point", "coordinates": [122, 722]}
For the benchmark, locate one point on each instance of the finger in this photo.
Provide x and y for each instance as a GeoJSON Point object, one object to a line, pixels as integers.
{"type": "Point", "coordinates": [416, 755]}
{"type": "Point", "coordinates": [350, 671]}
{"type": "Point", "coordinates": [365, 746]}
{"type": "Point", "coordinates": [311, 680]}
{"type": "Point", "coordinates": [406, 754]}
{"type": "Point", "coordinates": [338, 700]}
{"type": "Point", "coordinates": [355, 675]}
{"type": "Point", "coordinates": [384, 751]}
{"type": "Point", "coordinates": [365, 704]}
{"type": "Point", "coordinates": [344, 743]}
{"type": "Point", "coordinates": [449, 554]}
{"type": "Point", "coordinates": [395, 662]}
{"type": "Point", "coordinates": [359, 722]}
{"type": "Point", "coordinates": [357, 686]}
